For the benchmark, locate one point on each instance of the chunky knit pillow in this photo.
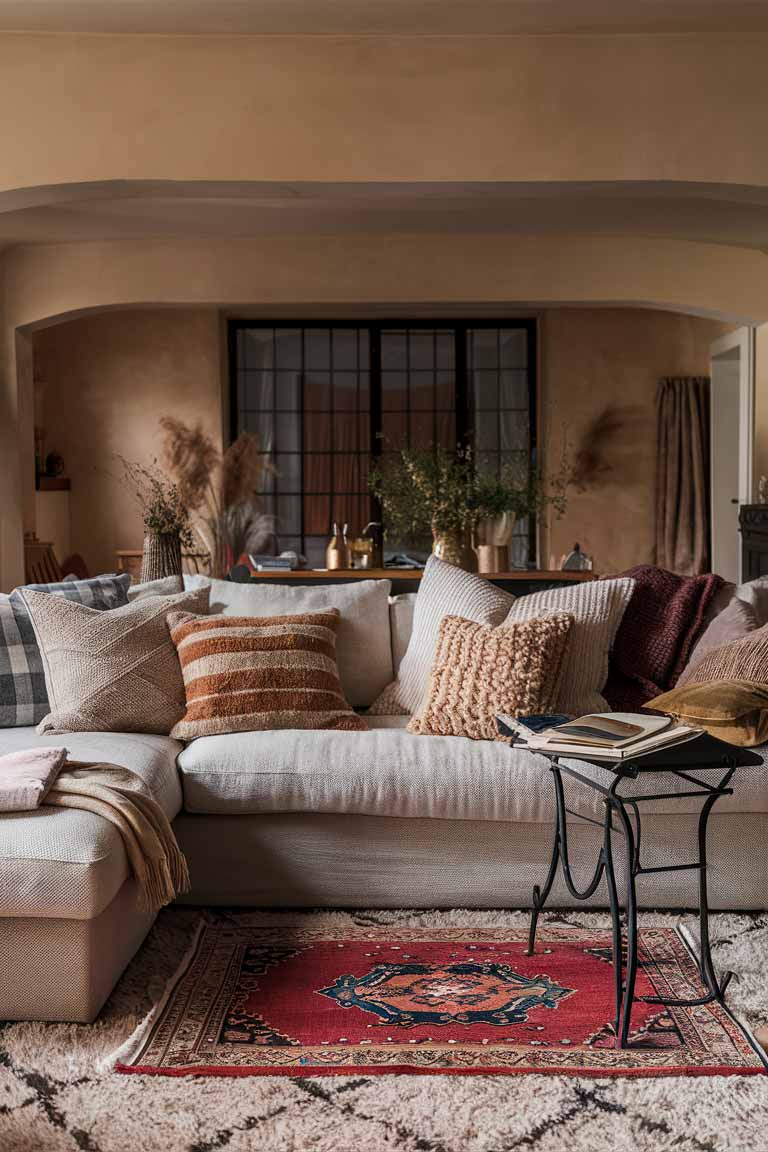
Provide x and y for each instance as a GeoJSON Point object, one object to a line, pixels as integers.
{"type": "Point", "coordinates": [480, 671]}
{"type": "Point", "coordinates": [244, 674]}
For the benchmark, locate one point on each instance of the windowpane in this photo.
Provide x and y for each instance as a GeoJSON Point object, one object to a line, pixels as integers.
{"type": "Point", "coordinates": [344, 432]}
{"type": "Point", "coordinates": [262, 425]}
{"type": "Point", "coordinates": [317, 514]}
{"type": "Point", "coordinates": [317, 432]}
{"type": "Point", "coordinates": [288, 477]}
{"type": "Point", "coordinates": [317, 349]}
{"type": "Point", "coordinates": [289, 514]}
{"type": "Point", "coordinates": [483, 348]}
{"type": "Point", "coordinates": [394, 391]}
{"type": "Point", "coordinates": [423, 390]}
{"type": "Point", "coordinates": [288, 432]}
{"type": "Point", "coordinates": [317, 391]}
{"type": "Point", "coordinates": [258, 349]}
{"type": "Point", "coordinates": [288, 348]}
{"type": "Point", "coordinates": [317, 473]}
{"type": "Point", "coordinates": [486, 390]}
{"type": "Point", "coordinates": [344, 349]}
{"type": "Point", "coordinates": [288, 391]}
{"type": "Point", "coordinates": [256, 391]}
{"type": "Point", "coordinates": [513, 348]}
{"type": "Point", "coordinates": [394, 354]}
{"type": "Point", "coordinates": [486, 430]}
{"type": "Point", "coordinates": [446, 430]}
{"type": "Point", "coordinates": [422, 430]}
{"type": "Point", "coordinates": [346, 473]}
{"type": "Point", "coordinates": [345, 391]}
{"type": "Point", "coordinates": [514, 430]}
{"type": "Point", "coordinates": [394, 427]}
{"type": "Point", "coordinates": [421, 353]}
{"type": "Point", "coordinates": [514, 390]}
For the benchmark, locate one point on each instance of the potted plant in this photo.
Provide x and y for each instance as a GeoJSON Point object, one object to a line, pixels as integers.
{"type": "Point", "coordinates": [440, 493]}
{"type": "Point", "coordinates": [165, 517]}
{"type": "Point", "coordinates": [500, 500]}
{"type": "Point", "coordinates": [427, 493]}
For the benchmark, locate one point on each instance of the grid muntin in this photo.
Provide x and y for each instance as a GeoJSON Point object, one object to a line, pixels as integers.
{"type": "Point", "coordinates": [462, 334]}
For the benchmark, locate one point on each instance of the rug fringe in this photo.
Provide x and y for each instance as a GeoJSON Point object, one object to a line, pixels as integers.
{"type": "Point", "coordinates": [687, 939]}
{"type": "Point", "coordinates": [130, 1047]}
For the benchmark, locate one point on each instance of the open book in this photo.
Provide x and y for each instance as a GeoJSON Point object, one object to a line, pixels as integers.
{"type": "Point", "coordinates": [607, 736]}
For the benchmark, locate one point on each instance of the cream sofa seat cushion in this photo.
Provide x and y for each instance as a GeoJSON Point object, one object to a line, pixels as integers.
{"type": "Point", "coordinates": [388, 771]}
{"type": "Point", "coordinates": [70, 863]}
{"type": "Point", "coordinates": [363, 646]}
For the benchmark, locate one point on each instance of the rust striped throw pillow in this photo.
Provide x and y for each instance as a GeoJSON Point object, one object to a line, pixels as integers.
{"type": "Point", "coordinates": [248, 674]}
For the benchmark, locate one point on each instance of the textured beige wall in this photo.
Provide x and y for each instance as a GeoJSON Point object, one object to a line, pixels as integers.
{"type": "Point", "coordinates": [589, 107]}
{"type": "Point", "coordinates": [106, 380]}
{"type": "Point", "coordinates": [600, 368]}
{"type": "Point", "coordinates": [761, 404]}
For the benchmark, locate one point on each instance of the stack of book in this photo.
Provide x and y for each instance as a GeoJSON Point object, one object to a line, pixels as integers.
{"type": "Point", "coordinates": [605, 736]}
{"type": "Point", "coordinates": [275, 563]}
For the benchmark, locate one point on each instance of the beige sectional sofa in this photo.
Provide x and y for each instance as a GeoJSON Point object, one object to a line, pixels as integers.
{"type": "Point", "coordinates": [380, 818]}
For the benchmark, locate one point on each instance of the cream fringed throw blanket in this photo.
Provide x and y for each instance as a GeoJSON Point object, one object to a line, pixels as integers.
{"type": "Point", "coordinates": [110, 791]}
{"type": "Point", "coordinates": [115, 794]}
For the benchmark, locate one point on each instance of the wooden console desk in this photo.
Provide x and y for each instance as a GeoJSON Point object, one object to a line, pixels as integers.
{"type": "Point", "coordinates": [519, 582]}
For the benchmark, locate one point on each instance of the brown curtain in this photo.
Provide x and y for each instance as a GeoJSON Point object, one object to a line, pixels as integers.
{"type": "Point", "coordinates": [682, 474]}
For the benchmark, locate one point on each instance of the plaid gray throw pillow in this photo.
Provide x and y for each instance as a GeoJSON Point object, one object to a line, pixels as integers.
{"type": "Point", "coordinates": [23, 698]}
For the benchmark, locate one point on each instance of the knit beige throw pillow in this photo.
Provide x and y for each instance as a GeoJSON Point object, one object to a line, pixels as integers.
{"type": "Point", "coordinates": [113, 671]}
{"type": "Point", "coordinates": [248, 674]}
{"type": "Point", "coordinates": [480, 671]}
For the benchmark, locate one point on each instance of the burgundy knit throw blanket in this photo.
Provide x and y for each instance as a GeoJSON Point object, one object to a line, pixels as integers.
{"type": "Point", "coordinates": [656, 636]}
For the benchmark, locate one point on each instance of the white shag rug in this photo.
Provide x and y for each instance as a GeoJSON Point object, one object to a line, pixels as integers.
{"type": "Point", "coordinates": [55, 1097]}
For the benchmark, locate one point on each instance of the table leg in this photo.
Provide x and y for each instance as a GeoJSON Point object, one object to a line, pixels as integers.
{"type": "Point", "coordinates": [629, 985]}
{"type": "Point", "coordinates": [540, 894]}
{"type": "Point", "coordinates": [613, 898]}
{"type": "Point", "coordinates": [706, 964]}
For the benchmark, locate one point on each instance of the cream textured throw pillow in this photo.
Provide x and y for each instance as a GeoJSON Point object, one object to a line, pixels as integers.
{"type": "Point", "coordinates": [111, 671]}
{"type": "Point", "coordinates": [479, 672]}
{"type": "Point", "coordinates": [444, 591]}
{"type": "Point", "coordinates": [597, 607]}
{"type": "Point", "coordinates": [363, 647]}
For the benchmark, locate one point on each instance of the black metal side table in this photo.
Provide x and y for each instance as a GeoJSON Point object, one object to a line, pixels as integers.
{"type": "Point", "coordinates": [623, 816]}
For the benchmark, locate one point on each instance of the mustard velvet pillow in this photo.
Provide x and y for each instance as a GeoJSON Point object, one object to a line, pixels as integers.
{"type": "Point", "coordinates": [735, 711]}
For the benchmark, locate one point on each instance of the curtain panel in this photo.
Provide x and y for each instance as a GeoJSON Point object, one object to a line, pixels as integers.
{"type": "Point", "coordinates": [682, 474]}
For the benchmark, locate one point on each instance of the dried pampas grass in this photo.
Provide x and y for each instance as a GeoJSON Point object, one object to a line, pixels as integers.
{"type": "Point", "coordinates": [222, 488]}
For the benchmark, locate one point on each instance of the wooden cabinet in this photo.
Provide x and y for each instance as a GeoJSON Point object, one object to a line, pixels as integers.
{"type": "Point", "coordinates": [753, 525]}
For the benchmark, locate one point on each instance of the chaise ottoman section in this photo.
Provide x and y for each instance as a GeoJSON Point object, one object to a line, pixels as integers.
{"type": "Point", "coordinates": [69, 914]}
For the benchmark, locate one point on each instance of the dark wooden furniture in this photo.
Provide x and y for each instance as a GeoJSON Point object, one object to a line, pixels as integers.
{"type": "Point", "coordinates": [407, 580]}
{"type": "Point", "coordinates": [40, 563]}
{"type": "Point", "coordinates": [753, 525]}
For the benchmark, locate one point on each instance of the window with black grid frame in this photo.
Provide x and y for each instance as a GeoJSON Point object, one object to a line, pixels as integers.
{"type": "Point", "coordinates": [325, 397]}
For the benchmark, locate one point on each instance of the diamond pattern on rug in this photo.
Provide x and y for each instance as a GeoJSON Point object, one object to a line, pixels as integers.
{"type": "Point", "coordinates": [296, 1000]}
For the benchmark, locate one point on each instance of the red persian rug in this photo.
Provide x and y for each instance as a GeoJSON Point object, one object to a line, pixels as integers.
{"type": "Point", "coordinates": [298, 1001]}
